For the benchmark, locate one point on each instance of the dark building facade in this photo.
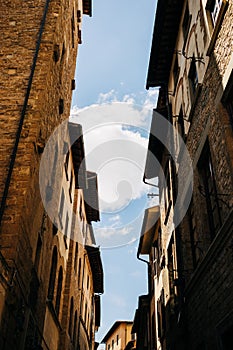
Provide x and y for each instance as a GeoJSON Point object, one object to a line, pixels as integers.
{"type": "Point", "coordinates": [191, 62]}
{"type": "Point", "coordinates": [50, 282]}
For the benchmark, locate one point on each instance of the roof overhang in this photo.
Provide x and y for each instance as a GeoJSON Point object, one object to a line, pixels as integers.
{"type": "Point", "coordinates": [167, 20]}
{"type": "Point", "coordinates": [149, 232]}
{"type": "Point", "coordinates": [91, 198]}
{"type": "Point", "coordinates": [87, 7]}
{"type": "Point", "coordinates": [96, 268]}
{"type": "Point", "coordinates": [78, 154]}
{"type": "Point", "coordinates": [155, 146]}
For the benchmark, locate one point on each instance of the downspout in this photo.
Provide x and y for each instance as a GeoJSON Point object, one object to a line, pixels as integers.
{"type": "Point", "coordinates": [23, 113]}
{"type": "Point", "coordinates": [149, 291]}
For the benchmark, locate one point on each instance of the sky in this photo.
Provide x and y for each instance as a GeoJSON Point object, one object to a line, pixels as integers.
{"type": "Point", "coordinates": [114, 109]}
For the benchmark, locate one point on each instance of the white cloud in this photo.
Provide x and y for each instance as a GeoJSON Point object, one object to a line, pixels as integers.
{"type": "Point", "coordinates": [116, 146]}
{"type": "Point", "coordinates": [115, 218]}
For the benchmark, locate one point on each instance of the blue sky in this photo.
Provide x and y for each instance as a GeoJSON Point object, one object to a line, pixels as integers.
{"type": "Point", "coordinates": [111, 103]}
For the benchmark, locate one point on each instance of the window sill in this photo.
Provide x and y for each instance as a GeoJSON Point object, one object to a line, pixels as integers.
{"type": "Point", "coordinates": [217, 27]}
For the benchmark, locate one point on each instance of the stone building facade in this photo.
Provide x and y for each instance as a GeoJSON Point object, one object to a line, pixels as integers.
{"type": "Point", "coordinates": [191, 62]}
{"type": "Point", "coordinates": [51, 274]}
{"type": "Point", "coordinates": [119, 336]}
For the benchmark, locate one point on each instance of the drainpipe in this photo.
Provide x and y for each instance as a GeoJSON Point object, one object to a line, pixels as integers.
{"type": "Point", "coordinates": [23, 113]}
{"type": "Point", "coordinates": [149, 291]}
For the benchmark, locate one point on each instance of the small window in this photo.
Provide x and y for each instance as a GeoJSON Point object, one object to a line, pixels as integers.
{"type": "Point", "coordinates": [71, 317]}
{"type": "Point", "coordinates": [79, 271]}
{"type": "Point", "coordinates": [193, 79]}
{"type": "Point", "coordinates": [76, 257]}
{"type": "Point", "coordinates": [227, 99]}
{"type": "Point", "coordinates": [72, 30]}
{"type": "Point", "coordinates": [70, 188]}
{"type": "Point", "coordinates": [75, 327]}
{"type": "Point", "coordinates": [208, 190]}
{"type": "Point", "coordinates": [52, 277]}
{"type": "Point", "coordinates": [214, 7]}
{"type": "Point", "coordinates": [67, 224]}
{"type": "Point", "coordinates": [186, 23]}
{"type": "Point", "coordinates": [112, 344]}
{"type": "Point", "coordinates": [59, 290]}
{"type": "Point", "coordinates": [67, 164]}
{"type": "Point", "coordinates": [176, 72]}
{"type": "Point", "coordinates": [117, 339]}
{"type": "Point", "coordinates": [38, 253]}
{"type": "Point", "coordinates": [61, 204]}
{"type": "Point", "coordinates": [108, 346]}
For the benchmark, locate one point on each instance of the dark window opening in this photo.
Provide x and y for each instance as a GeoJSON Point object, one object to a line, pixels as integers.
{"type": "Point", "coordinates": [61, 204]}
{"type": "Point", "coordinates": [226, 339]}
{"type": "Point", "coordinates": [181, 124]}
{"type": "Point", "coordinates": [193, 79]}
{"type": "Point", "coordinates": [214, 8]}
{"type": "Point", "coordinates": [71, 317]}
{"type": "Point", "coordinates": [228, 99]}
{"type": "Point", "coordinates": [186, 23]}
{"type": "Point", "coordinates": [38, 253]}
{"type": "Point", "coordinates": [76, 257]}
{"type": "Point", "coordinates": [75, 326]}
{"type": "Point", "coordinates": [176, 72]}
{"type": "Point", "coordinates": [59, 290]}
{"type": "Point", "coordinates": [72, 30]}
{"type": "Point", "coordinates": [52, 277]}
{"type": "Point", "coordinates": [192, 232]}
{"type": "Point", "coordinates": [208, 189]}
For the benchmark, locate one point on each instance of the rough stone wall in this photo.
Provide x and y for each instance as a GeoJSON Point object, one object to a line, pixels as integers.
{"type": "Point", "coordinates": [208, 298]}
{"type": "Point", "coordinates": [20, 24]}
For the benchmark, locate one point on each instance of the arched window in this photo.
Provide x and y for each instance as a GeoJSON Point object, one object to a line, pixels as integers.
{"type": "Point", "coordinates": [76, 257]}
{"type": "Point", "coordinates": [52, 277]}
{"type": "Point", "coordinates": [75, 326]}
{"type": "Point", "coordinates": [71, 316]}
{"type": "Point", "coordinates": [59, 289]}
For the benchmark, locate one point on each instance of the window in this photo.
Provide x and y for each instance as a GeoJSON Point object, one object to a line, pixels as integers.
{"type": "Point", "coordinates": [167, 192]}
{"type": "Point", "coordinates": [214, 7]}
{"type": "Point", "coordinates": [192, 232]}
{"type": "Point", "coordinates": [228, 99]}
{"type": "Point", "coordinates": [66, 226]}
{"type": "Point", "coordinates": [226, 339]}
{"type": "Point", "coordinates": [108, 346]}
{"type": "Point", "coordinates": [208, 190]}
{"type": "Point", "coordinates": [193, 79]}
{"type": "Point", "coordinates": [70, 188]}
{"type": "Point", "coordinates": [176, 72]}
{"type": "Point", "coordinates": [71, 316]}
{"type": "Point", "coordinates": [38, 252]}
{"type": "Point", "coordinates": [75, 326]}
{"type": "Point", "coordinates": [186, 23]}
{"type": "Point", "coordinates": [67, 164]}
{"type": "Point", "coordinates": [112, 344]}
{"type": "Point", "coordinates": [117, 339]}
{"type": "Point", "coordinates": [181, 124]}
{"type": "Point", "coordinates": [52, 274]}
{"type": "Point", "coordinates": [72, 30]}
{"type": "Point", "coordinates": [61, 205]}
{"type": "Point", "coordinates": [87, 282]}
{"type": "Point", "coordinates": [76, 257]}
{"type": "Point", "coordinates": [59, 289]}
{"type": "Point", "coordinates": [79, 271]}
